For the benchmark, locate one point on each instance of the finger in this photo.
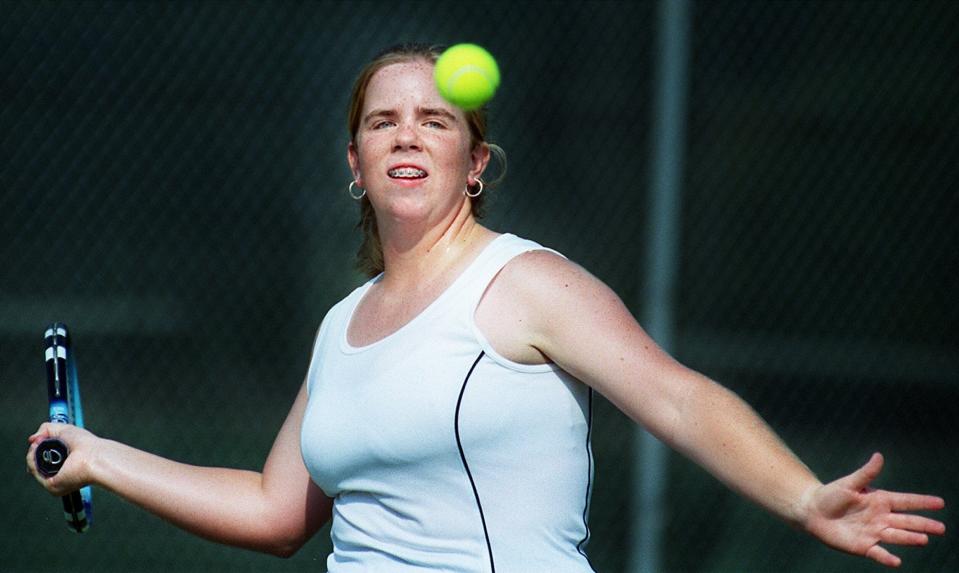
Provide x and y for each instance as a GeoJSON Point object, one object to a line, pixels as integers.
{"type": "Point", "coordinates": [914, 501]}
{"type": "Point", "coordinates": [917, 523]}
{"type": "Point", "coordinates": [50, 430]}
{"type": "Point", "coordinates": [861, 478]}
{"type": "Point", "coordinates": [41, 433]}
{"type": "Point", "coordinates": [903, 537]}
{"type": "Point", "coordinates": [31, 460]}
{"type": "Point", "coordinates": [883, 557]}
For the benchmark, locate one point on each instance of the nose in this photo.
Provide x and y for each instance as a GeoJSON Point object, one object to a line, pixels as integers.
{"type": "Point", "coordinates": [406, 137]}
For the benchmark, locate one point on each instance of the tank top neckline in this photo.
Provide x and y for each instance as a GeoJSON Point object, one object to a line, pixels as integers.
{"type": "Point", "coordinates": [449, 291]}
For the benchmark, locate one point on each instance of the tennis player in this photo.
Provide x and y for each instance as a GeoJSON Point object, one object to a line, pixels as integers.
{"type": "Point", "coordinates": [444, 422]}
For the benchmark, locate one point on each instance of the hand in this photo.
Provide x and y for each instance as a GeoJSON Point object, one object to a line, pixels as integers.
{"type": "Point", "coordinates": [75, 472]}
{"type": "Point", "coordinates": [849, 515]}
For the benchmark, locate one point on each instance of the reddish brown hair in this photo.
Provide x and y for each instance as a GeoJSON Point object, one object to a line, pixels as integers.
{"type": "Point", "coordinates": [370, 256]}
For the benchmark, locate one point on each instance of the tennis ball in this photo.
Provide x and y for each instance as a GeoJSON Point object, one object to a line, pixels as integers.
{"type": "Point", "coordinates": [466, 76]}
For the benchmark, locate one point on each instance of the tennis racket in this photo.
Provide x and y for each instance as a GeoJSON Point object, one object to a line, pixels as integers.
{"type": "Point", "coordinates": [63, 391]}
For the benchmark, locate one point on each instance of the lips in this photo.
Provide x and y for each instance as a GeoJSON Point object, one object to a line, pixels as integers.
{"type": "Point", "coordinates": [406, 172]}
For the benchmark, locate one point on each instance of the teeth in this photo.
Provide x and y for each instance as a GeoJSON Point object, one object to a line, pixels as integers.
{"type": "Point", "coordinates": [407, 172]}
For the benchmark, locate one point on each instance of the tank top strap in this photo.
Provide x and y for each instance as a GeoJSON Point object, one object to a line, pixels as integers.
{"type": "Point", "coordinates": [490, 262]}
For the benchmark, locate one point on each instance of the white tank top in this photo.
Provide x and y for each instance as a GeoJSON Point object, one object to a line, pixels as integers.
{"type": "Point", "coordinates": [442, 455]}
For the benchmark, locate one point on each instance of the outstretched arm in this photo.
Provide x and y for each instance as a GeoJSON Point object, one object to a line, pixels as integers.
{"type": "Point", "coordinates": [274, 511]}
{"type": "Point", "coordinates": [578, 322]}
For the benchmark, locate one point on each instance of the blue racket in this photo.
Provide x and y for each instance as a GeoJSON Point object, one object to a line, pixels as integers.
{"type": "Point", "coordinates": [63, 391]}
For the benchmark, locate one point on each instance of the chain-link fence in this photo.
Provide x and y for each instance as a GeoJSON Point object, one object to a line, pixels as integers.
{"type": "Point", "coordinates": [173, 186]}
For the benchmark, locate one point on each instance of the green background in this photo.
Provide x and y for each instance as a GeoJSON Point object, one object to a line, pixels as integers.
{"type": "Point", "coordinates": [173, 186]}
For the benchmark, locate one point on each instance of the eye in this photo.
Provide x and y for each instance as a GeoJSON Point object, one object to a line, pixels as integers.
{"type": "Point", "coordinates": [435, 124]}
{"type": "Point", "coordinates": [382, 124]}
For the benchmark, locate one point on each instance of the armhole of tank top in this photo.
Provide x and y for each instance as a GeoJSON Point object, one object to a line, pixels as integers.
{"type": "Point", "coordinates": [481, 338]}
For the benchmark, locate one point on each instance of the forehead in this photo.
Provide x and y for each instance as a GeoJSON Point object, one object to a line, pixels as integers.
{"type": "Point", "coordinates": [404, 83]}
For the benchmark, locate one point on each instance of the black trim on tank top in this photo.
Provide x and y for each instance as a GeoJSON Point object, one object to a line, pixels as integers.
{"type": "Point", "coordinates": [589, 476]}
{"type": "Point", "coordinates": [459, 444]}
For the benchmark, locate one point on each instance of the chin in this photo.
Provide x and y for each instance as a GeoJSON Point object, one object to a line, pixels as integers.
{"type": "Point", "coordinates": [409, 208]}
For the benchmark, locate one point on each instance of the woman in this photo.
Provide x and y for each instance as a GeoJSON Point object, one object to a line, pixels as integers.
{"type": "Point", "coordinates": [446, 411]}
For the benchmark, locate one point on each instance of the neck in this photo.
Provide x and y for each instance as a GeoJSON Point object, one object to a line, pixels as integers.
{"type": "Point", "coordinates": [417, 254]}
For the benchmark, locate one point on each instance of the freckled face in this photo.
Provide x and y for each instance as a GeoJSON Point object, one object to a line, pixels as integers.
{"type": "Point", "coordinates": [412, 149]}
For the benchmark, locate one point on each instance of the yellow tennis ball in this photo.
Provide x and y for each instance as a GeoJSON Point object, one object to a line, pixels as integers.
{"type": "Point", "coordinates": [466, 76]}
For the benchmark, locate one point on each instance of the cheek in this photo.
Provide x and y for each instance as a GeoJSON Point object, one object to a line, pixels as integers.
{"type": "Point", "coordinates": [457, 155]}
{"type": "Point", "coordinates": [365, 151]}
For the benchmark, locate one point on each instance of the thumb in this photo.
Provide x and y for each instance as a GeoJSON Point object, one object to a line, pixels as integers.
{"type": "Point", "coordinates": [861, 478]}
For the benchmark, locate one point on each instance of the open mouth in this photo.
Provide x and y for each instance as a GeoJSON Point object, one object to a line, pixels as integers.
{"type": "Point", "coordinates": [406, 172]}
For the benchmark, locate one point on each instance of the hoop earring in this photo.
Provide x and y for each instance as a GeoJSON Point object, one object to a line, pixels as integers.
{"type": "Point", "coordinates": [350, 191]}
{"type": "Point", "coordinates": [478, 193]}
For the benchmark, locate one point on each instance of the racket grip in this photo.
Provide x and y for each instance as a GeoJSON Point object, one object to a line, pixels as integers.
{"type": "Point", "coordinates": [50, 456]}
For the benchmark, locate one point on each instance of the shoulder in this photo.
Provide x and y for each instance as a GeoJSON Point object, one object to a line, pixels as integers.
{"type": "Point", "coordinates": [542, 277]}
{"type": "Point", "coordinates": [550, 293]}
{"type": "Point", "coordinates": [542, 304]}
{"type": "Point", "coordinates": [515, 307]}
{"type": "Point", "coordinates": [561, 299]}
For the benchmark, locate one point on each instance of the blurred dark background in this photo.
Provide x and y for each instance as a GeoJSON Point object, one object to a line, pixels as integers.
{"type": "Point", "coordinates": [173, 186]}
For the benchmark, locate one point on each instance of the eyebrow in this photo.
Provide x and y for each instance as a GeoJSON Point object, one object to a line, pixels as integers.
{"type": "Point", "coordinates": [437, 111]}
{"type": "Point", "coordinates": [379, 113]}
{"type": "Point", "coordinates": [422, 111]}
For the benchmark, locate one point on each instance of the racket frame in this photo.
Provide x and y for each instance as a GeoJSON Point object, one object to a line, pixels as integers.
{"type": "Point", "coordinates": [65, 407]}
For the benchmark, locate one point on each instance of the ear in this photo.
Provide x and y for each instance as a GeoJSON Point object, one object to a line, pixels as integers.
{"type": "Point", "coordinates": [354, 160]}
{"type": "Point", "coordinates": [479, 159]}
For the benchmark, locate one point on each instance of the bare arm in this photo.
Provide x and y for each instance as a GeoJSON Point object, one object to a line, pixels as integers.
{"type": "Point", "coordinates": [274, 511]}
{"type": "Point", "coordinates": [574, 319]}
{"type": "Point", "coordinates": [578, 322]}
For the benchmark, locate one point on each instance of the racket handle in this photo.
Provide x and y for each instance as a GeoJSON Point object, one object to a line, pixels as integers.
{"type": "Point", "coordinates": [75, 512]}
{"type": "Point", "coordinates": [50, 455]}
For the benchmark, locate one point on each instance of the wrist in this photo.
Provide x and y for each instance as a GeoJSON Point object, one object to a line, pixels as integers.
{"type": "Point", "coordinates": [97, 461]}
{"type": "Point", "coordinates": [802, 509]}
